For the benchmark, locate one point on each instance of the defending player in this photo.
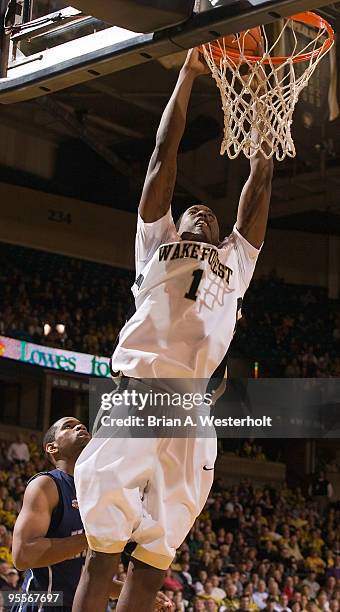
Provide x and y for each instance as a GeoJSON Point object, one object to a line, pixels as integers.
{"type": "Point", "coordinates": [48, 538]}
{"type": "Point", "coordinates": [188, 293]}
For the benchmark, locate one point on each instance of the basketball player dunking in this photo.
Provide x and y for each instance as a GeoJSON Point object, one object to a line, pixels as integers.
{"type": "Point", "coordinates": [188, 293]}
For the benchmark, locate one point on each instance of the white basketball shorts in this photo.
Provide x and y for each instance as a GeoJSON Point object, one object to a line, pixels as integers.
{"type": "Point", "coordinates": [145, 490]}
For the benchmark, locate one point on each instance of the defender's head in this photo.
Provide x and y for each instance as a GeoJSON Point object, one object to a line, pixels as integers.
{"type": "Point", "coordinates": [199, 223]}
{"type": "Point", "coordinates": [65, 439]}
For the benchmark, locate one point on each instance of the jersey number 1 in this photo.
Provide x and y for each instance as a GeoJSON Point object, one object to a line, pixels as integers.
{"type": "Point", "coordinates": [192, 293]}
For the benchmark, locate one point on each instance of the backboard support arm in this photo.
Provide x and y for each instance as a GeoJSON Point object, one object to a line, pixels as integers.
{"type": "Point", "coordinates": [7, 20]}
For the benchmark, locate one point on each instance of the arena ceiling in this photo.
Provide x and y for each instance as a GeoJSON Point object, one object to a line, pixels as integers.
{"type": "Point", "coordinates": [104, 131]}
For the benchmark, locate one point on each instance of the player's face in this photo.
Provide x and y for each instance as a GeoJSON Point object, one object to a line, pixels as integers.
{"type": "Point", "coordinates": [71, 437]}
{"type": "Point", "coordinates": [199, 223]}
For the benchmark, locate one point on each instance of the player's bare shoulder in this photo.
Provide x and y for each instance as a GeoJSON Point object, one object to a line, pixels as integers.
{"type": "Point", "coordinates": [41, 488]}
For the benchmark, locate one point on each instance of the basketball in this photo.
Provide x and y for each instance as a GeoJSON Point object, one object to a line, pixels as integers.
{"type": "Point", "coordinates": [249, 41]}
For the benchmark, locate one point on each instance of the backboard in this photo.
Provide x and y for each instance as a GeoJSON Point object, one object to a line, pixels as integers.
{"type": "Point", "coordinates": [67, 46]}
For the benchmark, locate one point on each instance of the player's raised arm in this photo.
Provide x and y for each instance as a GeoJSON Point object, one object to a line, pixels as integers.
{"type": "Point", "coordinates": [252, 214]}
{"type": "Point", "coordinates": [161, 175]}
{"type": "Point", "coordinates": [31, 547]}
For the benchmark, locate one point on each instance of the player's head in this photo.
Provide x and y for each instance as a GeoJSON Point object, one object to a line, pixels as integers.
{"type": "Point", "coordinates": [199, 223]}
{"type": "Point", "coordinates": [65, 439]}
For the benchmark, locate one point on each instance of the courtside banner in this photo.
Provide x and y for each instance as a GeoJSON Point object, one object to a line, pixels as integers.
{"type": "Point", "coordinates": [56, 358]}
{"type": "Point", "coordinates": [237, 408]}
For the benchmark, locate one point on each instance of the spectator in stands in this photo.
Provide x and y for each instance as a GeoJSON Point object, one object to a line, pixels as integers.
{"type": "Point", "coordinates": [18, 451]}
{"type": "Point", "coordinates": [288, 588]}
{"type": "Point", "coordinates": [232, 601]}
{"type": "Point", "coordinates": [199, 605]}
{"type": "Point", "coordinates": [270, 605]}
{"type": "Point", "coordinates": [312, 584]}
{"type": "Point", "coordinates": [259, 454]}
{"type": "Point", "coordinates": [179, 603]}
{"type": "Point", "coordinates": [310, 362]}
{"type": "Point", "coordinates": [249, 592]}
{"type": "Point", "coordinates": [12, 577]}
{"type": "Point", "coordinates": [33, 446]}
{"type": "Point", "coordinates": [4, 568]}
{"type": "Point", "coordinates": [293, 369]}
{"type": "Point", "coordinates": [335, 570]}
{"type": "Point", "coordinates": [248, 449]}
{"type": "Point", "coordinates": [314, 562]}
{"type": "Point", "coordinates": [211, 606]}
{"type": "Point", "coordinates": [321, 490]}
{"type": "Point", "coordinates": [207, 593]}
{"type": "Point", "coordinates": [273, 589]}
{"type": "Point", "coordinates": [185, 578]}
{"type": "Point", "coordinates": [330, 586]}
{"type": "Point", "coordinates": [322, 601]}
{"type": "Point", "coordinates": [260, 595]}
{"type": "Point", "coordinates": [217, 592]}
{"type": "Point", "coordinates": [334, 605]}
{"type": "Point", "coordinates": [269, 550]}
{"type": "Point", "coordinates": [245, 604]}
{"type": "Point", "coordinates": [285, 557]}
{"type": "Point", "coordinates": [199, 584]}
{"type": "Point", "coordinates": [5, 542]}
{"type": "Point", "coordinates": [294, 548]}
{"type": "Point", "coordinates": [171, 583]}
{"type": "Point", "coordinates": [282, 605]}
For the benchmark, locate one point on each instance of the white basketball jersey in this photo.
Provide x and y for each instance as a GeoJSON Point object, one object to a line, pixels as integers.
{"type": "Point", "coordinates": [188, 297]}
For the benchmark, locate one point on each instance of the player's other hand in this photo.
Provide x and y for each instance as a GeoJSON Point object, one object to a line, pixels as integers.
{"type": "Point", "coordinates": [196, 62]}
{"type": "Point", "coordinates": [163, 603]}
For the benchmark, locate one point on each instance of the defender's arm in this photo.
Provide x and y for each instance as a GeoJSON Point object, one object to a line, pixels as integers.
{"type": "Point", "coordinates": [161, 175]}
{"type": "Point", "coordinates": [31, 547]}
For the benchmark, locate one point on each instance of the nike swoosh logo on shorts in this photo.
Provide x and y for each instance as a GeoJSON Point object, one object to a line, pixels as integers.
{"type": "Point", "coordinates": [207, 469]}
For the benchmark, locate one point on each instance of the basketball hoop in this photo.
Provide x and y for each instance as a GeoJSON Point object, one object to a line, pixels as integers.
{"type": "Point", "coordinates": [265, 98]}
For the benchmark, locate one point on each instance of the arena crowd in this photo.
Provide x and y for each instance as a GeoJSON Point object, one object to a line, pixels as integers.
{"type": "Point", "coordinates": [252, 548]}
{"type": "Point", "coordinates": [290, 330]}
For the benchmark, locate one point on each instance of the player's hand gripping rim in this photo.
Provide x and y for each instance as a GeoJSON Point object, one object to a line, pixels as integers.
{"type": "Point", "coordinates": [196, 62]}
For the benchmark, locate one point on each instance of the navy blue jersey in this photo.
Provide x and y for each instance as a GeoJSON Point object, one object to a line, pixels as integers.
{"type": "Point", "coordinates": [65, 522]}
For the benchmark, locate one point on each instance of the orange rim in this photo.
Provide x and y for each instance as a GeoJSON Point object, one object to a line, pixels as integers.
{"type": "Point", "coordinates": [307, 18]}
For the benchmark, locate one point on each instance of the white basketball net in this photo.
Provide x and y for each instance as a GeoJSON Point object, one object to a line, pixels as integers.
{"type": "Point", "coordinates": [265, 99]}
